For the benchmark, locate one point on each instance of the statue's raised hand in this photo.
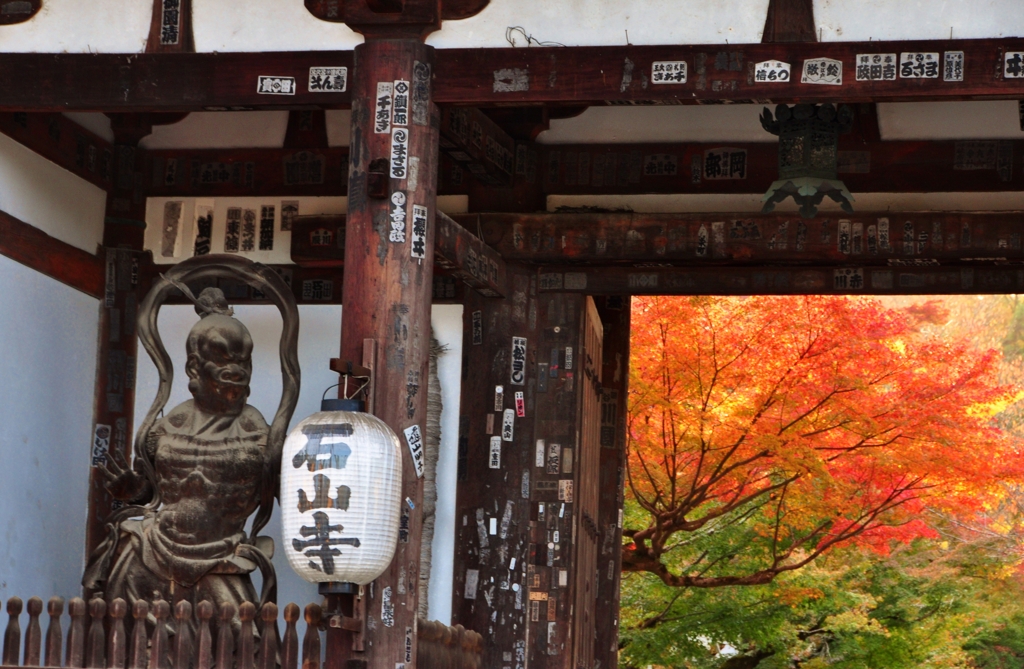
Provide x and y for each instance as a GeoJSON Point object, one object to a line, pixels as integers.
{"type": "Point", "coordinates": [123, 482]}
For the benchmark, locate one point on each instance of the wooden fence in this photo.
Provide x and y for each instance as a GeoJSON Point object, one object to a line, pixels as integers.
{"type": "Point", "coordinates": [100, 637]}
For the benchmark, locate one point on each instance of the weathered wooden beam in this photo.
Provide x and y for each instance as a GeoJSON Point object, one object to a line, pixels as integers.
{"type": "Point", "coordinates": [48, 255]}
{"type": "Point", "coordinates": [166, 81]}
{"type": "Point", "coordinates": [319, 242]}
{"type": "Point", "coordinates": [878, 238]}
{"type": "Point", "coordinates": [464, 255]}
{"type": "Point", "coordinates": [991, 69]}
{"type": "Point", "coordinates": [246, 172]}
{"type": "Point", "coordinates": [478, 144]}
{"type": "Point", "coordinates": [977, 276]}
{"type": "Point", "coordinates": [865, 167]}
{"type": "Point", "coordinates": [724, 73]}
{"type": "Point", "coordinates": [62, 141]}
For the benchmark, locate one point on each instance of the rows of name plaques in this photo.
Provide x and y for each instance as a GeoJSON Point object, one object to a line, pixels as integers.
{"type": "Point", "coordinates": [949, 65]}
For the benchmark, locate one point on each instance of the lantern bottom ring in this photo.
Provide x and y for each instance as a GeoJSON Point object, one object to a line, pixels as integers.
{"type": "Point", "coordinates": [338, 588]}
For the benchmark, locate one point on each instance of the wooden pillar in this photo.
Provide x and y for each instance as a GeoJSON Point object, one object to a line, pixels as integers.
{"type": "Point", "coordinates": [117, 354]}
{"type": "Point", "coordinates": [615, 315]}
{"type": "Point", "coordinates": [388, 280]}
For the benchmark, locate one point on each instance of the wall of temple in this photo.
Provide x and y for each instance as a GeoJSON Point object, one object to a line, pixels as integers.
{"type": "Point", "coordinates": [270, 25]}
{"type": "Point", "coordinates": [47, 372]}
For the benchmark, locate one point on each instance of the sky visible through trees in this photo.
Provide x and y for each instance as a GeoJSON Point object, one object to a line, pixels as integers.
{"type": "Point", "coordinates": [825, 481]}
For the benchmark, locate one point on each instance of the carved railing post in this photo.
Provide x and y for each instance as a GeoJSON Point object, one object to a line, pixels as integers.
{"type": "Point", "coordinates": [204, 650]}
{"type": "Point", "coordinates": [117, 642]}
{"type": "Point", "coordinates": [54, 634]}
{"type": "Point", "coordinates": [225, 637]}
{"type": "Point", "coordinates": [158, 655]}
{"type": "Point", "coordinates": [244, 657]}
{"type": "Point", "coordinates": [96, 647]}
{"type": "Point", "coordinates": [138, 658]}
{"type": "Point", "coordinates": [183, 635]}
{"type": "Point", "coordinates": [75, 657]}
{"type": "Point", "coordinates": [290, 651]}
{"type": "Point", "coordinates": [34, 634]}
{"type": "Point", "coordinates": [12, 635]}
{"type": "Point", "coordinates": [311, 641]}
{"type": "Point", "coordinates": [268, 644]}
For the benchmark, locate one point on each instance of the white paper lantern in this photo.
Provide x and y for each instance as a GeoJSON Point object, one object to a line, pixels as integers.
{"type": "Point", "coordinates": [341, 493]}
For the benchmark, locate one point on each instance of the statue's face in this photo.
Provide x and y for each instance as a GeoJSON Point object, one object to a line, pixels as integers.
{"type": "Point", "coordinates": [220, 367]}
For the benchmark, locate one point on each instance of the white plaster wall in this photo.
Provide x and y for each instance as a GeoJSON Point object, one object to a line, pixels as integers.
{"type": "Point", "coordinates": [221, 130]}
{"type": "Point", "coordinates": [319, 337]}
{"type": "Point", "coordinates": [265, 25]}
{"type": "Point", "coordinates": [115, 26]}
{"type": "Point", "coordinates": [863, 20]}
{"type": "Point", "coordinates": [606, 22]}
{"type": "Point", "coordinates": [74, 26]}
{"type": "Point", "coordinates": [446, 320]}
{"type": "Point", "coordinates": [988, 119]}
{"type": "Point", "coordinates": [691, 123]}
{"type": "Point", "coordinates": [47, 372]}
{"type": "Point", "coordinates": [49, 197]}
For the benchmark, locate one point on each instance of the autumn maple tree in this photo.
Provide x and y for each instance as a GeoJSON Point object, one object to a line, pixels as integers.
{"type": "Point", "coordinates": [764, 431]}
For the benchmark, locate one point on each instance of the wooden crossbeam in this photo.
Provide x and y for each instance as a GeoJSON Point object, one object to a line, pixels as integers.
{"type": "Point", "coordinates": [973, 278]}
{"type": "Point", "coordinates": [64, 142]}
{"type": "Point", "coordinates": [318, 242]}
{"type": "Point", "coordinates": [741, 239]}
{"type": "Point", "coordinates": [738, 167]}
{"type": "Point", "coordinates": [48, 255]}
{"type": "Point", "coordinates": [246, 172]}
{"type": "Point", "coordinates": [488, 77]}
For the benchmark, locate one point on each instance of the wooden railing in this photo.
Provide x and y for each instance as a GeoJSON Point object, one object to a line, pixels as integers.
{"type": "Point", "coordinates": [99, 638]}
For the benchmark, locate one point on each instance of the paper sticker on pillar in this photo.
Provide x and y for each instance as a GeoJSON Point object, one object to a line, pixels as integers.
{"type": "Point", "coordinates": [100, 444]}
{"type": "Point", "coordinates": [565, 490]}
{"type": "Point", "coordinates": [270, 85]}
{"type": "Point", "coordinates": [539, 454]}
{"type": "Point", "coordinates": [520, 404]}
{"type": "Point", "coordinates": [418, 248]}
{"type": "Point", "coordinates": [499, 398]}
{"type": "Point", "coordinates": [382, 113]}
{"type": "Point", "coordinates": [414, 439]}
{"type": "Point", "coordinates": [848, 278]}
{"type": "Point", "coordinates": [953, 66]}
{"type": "Point", "coordinates": [823, 71]}
{"type": "Point", "coordinates": [478, 328]}
{"type": "Point", "coordinates": [328, 79]}
{"type": "Point", "coordinates": [668, 72]}
{"type": "Point", "coordinates": [397, 233]}
{"type": "Point", "coordinates": [919, 65]}
{"type": "Point", "coordinates": [508, 424]}
{"type": "Point", "coordinates": [518, 361]}
{"type": "Point", "coordinates": [400, 106]}
{"type": "Point", "coordinates": [875, 67]}
{"type": "Point", "coordinates": [725, 163]}
{"type": "Point", "coordinates": [400, 153]}
{"type": "Point", "coordinates": [772, 72]}
{"type": "Point", "coordinates": [494, 462]}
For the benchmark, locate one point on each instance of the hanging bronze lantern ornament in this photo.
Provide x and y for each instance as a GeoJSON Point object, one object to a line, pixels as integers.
{"type": "Point", "coordinates": [808, 153]}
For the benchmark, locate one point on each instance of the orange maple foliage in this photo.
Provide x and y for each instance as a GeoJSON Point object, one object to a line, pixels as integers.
{"type": "Point", "coordinates": [819, 420]}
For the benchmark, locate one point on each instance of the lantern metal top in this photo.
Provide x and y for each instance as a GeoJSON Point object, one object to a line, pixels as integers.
{"type": "Point", "coordinates": [808, 155]}
{"type": "Point", "coordinates": [341, 404]}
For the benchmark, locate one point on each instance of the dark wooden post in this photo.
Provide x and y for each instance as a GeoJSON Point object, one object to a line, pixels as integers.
{"type": "Point", "coordinates": [615, 314]}
{"type": "Point", "coordinates": [389, 247]}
